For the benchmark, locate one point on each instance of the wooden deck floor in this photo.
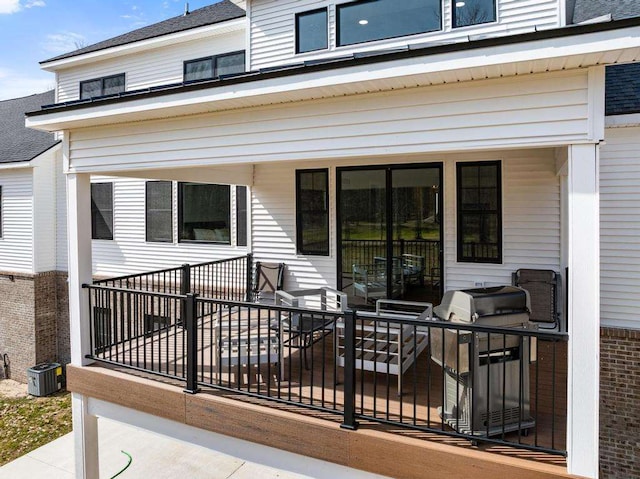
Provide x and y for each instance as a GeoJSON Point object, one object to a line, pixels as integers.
{"type": "Point", "coordinates": [320, 388]}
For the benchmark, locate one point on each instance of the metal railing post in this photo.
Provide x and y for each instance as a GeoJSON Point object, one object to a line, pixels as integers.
{"type": "Point", "coordinates": [249, 296]}
{"type": "Point", "coordinates": [192, 344]}
{"type": "Point", "coordinates": [349, 420]}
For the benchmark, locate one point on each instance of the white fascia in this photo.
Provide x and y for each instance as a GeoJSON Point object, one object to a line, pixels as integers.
{"type": "Point", "coordinates": [615, 45]}
{"type": "Point", "coordinates": [149, 44]}
{"type": "Point", "coordinates": [622, 121]}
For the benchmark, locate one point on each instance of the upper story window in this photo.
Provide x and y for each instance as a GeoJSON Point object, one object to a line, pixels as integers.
{"type": "Point", "coordinates": [472, 12]}
{"type": "Point", "coordinates": [102, 211]}
{"type": "Point", "coordinates": [369, 20]}
{"type": "Point", "coordinates": [215, 66]}
{"type": "Point", "coordinates": [110, 85]}
{"type": "Point", "coordinates": [312, 31]}
{"type": "Point", "coordinates": [479, 197]}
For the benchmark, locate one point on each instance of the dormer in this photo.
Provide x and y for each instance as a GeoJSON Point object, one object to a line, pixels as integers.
{"type": "Point", "coordinates": [301, 31]}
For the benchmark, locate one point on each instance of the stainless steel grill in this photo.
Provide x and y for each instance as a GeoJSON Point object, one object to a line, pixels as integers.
{"type": "Point", "coordinates": [486, 373]}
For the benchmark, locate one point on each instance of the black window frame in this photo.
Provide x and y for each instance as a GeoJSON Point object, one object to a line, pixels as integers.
{"type": "Point", "coordinates": [460, 213]}
{"type": "Point", "coordinates": [454, 16]}
{"type": "Point", "coordinates": [147, 237]}
{"type": "Point", "coordinates": [181, 231]}
{"type": "Point", "coordinates": [95, 208]}
{"type": "Point", "coordinates": [102, 88]}
{"type": "Point", "coordinates": [241, 215]}
{"type": "Point", "coordinates": [340, 6]}
{"type": "Point", "coordinates": [214, 69]}
{"type": "Point", "coordinates": [297, 27]}
{"type": "Point", "coordinates": [300, 214]}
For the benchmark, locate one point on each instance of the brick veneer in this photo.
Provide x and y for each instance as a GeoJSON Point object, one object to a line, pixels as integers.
{"type": "Point", "coordinates": [34, 320]}
{"type": "Point", "coordinates": [619, 403]}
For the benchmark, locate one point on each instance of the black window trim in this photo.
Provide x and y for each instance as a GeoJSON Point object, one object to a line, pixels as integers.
{"type": "Point", "coordinates": [499, 209]}
{"type": "Point", "coordinates": [299, 243]}
{"type": "Point", "coordinates": [337, 21]}
{"type": "Point", "coordinates": [213, 58]}
{"type": "Point", "coordinates": [102, 79]}
{"type": "Point", "coordinates": [181, 213]}
{"type": "Point", "coordinates": [146, 231]}
{"type": "Point", "coordinates": [112, 211]}
{"type": "Point", "coordinates": [453, 16]}
{"type": "Point", "coordinates": [309, 12]}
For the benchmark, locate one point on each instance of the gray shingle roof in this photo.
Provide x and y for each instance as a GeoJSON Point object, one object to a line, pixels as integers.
{"type": "Point", "coordinates": [623, 89]}
{"type": "Point", "coordinates": [619, 9]}
{"type": "Point", "coordinates": [18, 143]}
{"type": "Point", "coordinates": [216, 13]}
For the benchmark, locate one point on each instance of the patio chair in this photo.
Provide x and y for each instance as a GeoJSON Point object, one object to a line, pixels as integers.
{"type": "Point", "coordinates": [302, 330]}
{"type": "Point", "coordinates": [269, 278]}
{"type": "Point", "coordinates": [413, 268]}
{"type": "Point", "coordinates": [544, 287]}
{"type": "Point", "coordinates": [370, 280]}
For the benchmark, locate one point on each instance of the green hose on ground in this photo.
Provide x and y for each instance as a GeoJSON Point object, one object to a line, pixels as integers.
{"type": "Point", "coordinates": [125, 467]}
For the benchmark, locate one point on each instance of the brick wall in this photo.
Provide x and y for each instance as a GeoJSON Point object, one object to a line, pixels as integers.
{"type": "Point", "coordinates": [34, 320]}
{"type": "Point", "coordinates": [619, 404]}
{"type": "Point", "coordinates": [17, 325]}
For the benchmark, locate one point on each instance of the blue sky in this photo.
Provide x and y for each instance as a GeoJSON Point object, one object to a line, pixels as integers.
{"type": "Point", "coordinates": [35, 30]}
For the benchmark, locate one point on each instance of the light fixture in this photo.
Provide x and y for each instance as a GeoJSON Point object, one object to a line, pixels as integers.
{"type": "Point", "coordinates": [459, 4]}
{"type": "Point", "coordinates": [363, 22]}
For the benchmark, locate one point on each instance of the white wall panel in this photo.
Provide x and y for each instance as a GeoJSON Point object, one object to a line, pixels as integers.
{"type": "Point", "coordinates": [62, 254]}
{"type": "Point", "coordinates": [16, 244]}
{"type": "Point", "coordinates": [272, 28]}
{"type": "Point", "coordinates": [620, 228]}
{"type": "Point", "coordinates": [45, 209]}
{"type": "Point", "coordinates": [543, 109]}
{"type": "Point", "coordinates": [531, 218]}
{"type": "Point", "coordinates": [161, 66]}
{"type": "Point", "coordinates": [129, 252]}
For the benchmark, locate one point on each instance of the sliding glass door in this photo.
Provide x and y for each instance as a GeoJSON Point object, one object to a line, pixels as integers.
{"type": "Point", "coordinates": [389, 222]}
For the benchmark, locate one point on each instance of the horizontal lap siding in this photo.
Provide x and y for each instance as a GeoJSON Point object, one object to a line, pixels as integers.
{"type": "Point", "coordinates": [62, 255]}
{"type": "Point", "coordinates": [273, 28]}
{"type": "Point", "coordinates": [16, 244]}
{"type": "Point", "coordinates": [530, 217]}
{"type": "Point", "coordinates": [537, 109]}
{"type": "Point", "coordinates": [44, 178]}
{"type": "Point", "coordinates": [161, 66]}
{"type": "Point", "coordinates": [620, 228]}
{"type": "Point", "coordinates": [130, 253]}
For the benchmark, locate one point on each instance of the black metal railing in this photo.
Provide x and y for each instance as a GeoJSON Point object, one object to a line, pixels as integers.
{"type": "Point", "coordinates": [229, 279]}
{"type": "Point", "coordinates": [502, 386]}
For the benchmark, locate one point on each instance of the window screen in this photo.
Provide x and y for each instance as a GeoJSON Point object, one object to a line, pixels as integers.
{"type": "Point", "coordinates": [311, 31]}
{"type": "Point", "coordinates": [159, 211]}
{"type": "Point", "coordinates": [479, 212]}
{"type": "Point", "coordinates": [204, 213]}
{"type": "Point", "coordinates": [241, 215]}
{"type": "Point", "coordinates": [102, 211]}
{"type": "Point", "coordinates": [312, 207]}
{"type": "Point", "coordinates": [473, 12]}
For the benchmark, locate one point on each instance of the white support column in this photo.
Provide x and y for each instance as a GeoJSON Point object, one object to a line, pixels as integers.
{"type": "Point", "coordinates": [85, 438]}
{"type": "Point", "coordinates": [85, 426]}
{"type": "Point", "coordinates": [584, 310]}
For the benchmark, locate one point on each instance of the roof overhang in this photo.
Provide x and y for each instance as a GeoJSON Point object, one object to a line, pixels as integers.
{"type": "Point", "coordinates": [550, 50]}
{"type": "Point", "coordinates": [144, 45]}
{"type": "Point", "coordinates": [33, 162]}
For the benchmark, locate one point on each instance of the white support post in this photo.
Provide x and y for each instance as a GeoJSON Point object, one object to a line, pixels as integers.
{"type": "Point", "coordinates": [79, 238]}
{"type": "Point", "coordinates": [85, 426]}
{"type": "Point", "coordinates": [85, 438]}
{"type": "Point", "coordinates": [584, 311]}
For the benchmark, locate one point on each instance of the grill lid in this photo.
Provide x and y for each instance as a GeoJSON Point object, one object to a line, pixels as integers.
{"type": "Point", "coordinates": [469, 305]}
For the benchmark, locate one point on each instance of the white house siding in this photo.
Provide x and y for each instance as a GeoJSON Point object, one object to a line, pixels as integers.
{"type": "Point", "coordinates": [16, 244]}
{"type": "Point", "coordinates": [161, 66]}
{"type": "Point", "coordinates": [129, 252]}
{"type": "Point", "coordinates": [272, 28]}
{"type": "Point", "coordinates": [45, 210]}
{"type": "Point", "coordinates": [542, 109]}
{"type": "Point", "coordinates": [531, 218]}
{"type": "Point", "coordinates": [620, 228]}
{"type": "Point", "coordinates": [62, 254]}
